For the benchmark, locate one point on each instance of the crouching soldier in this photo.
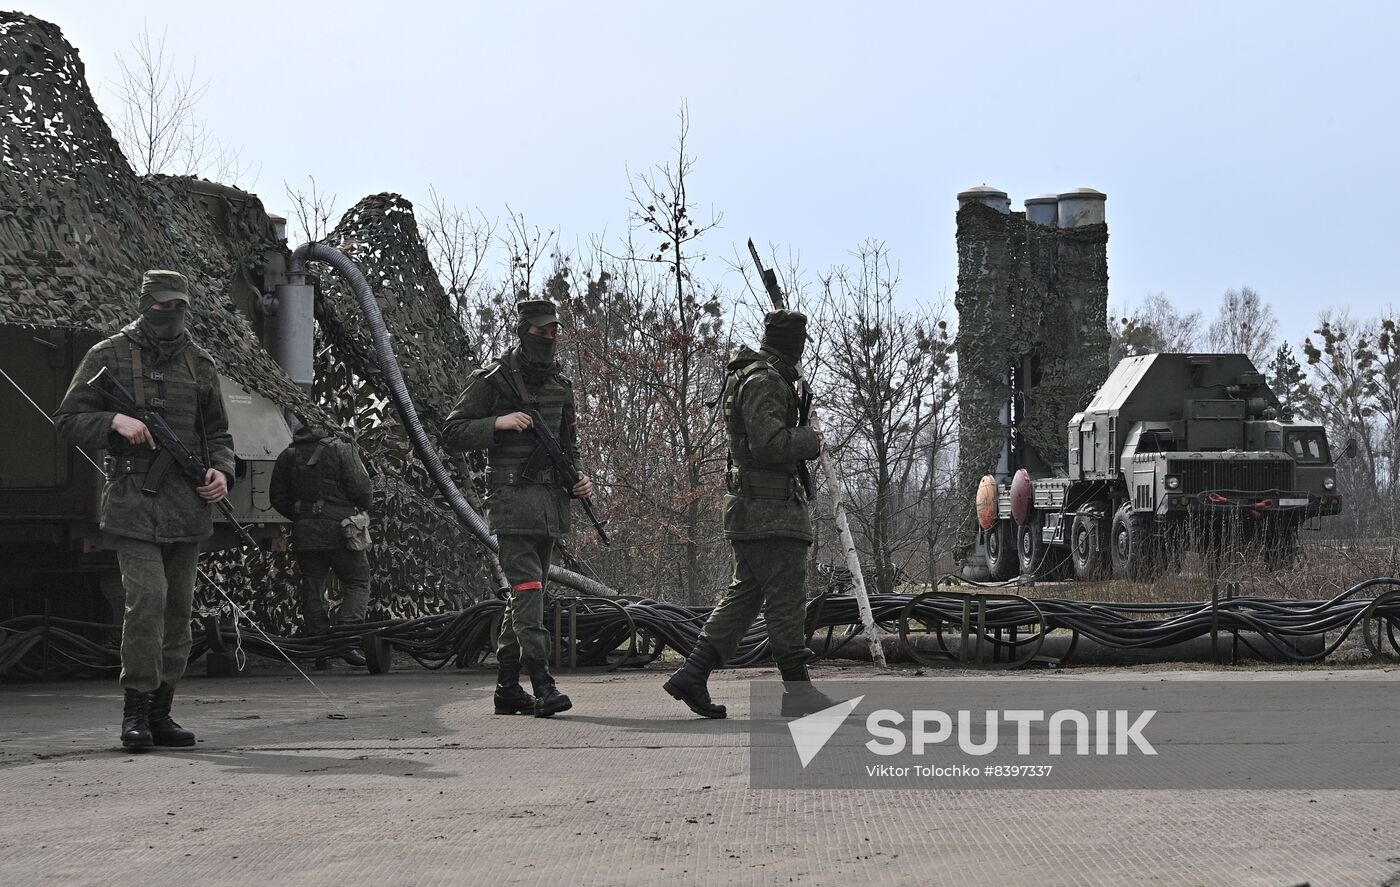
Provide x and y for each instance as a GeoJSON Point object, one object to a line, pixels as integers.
{"type": "Point", "coordinates": [527, 508]}
{"type": "Point", "coordinates": [156, 537]}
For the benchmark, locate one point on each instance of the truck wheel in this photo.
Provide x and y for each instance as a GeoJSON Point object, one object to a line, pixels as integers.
{"type": "Point", "coordinates": [1030, 548]}
{"type": "Point", "coordinates": [1132, 548]}
{"type": "Point", "coordinates": [1002, 562]}
{"type": "Point", "coordinates": [1086, 548]}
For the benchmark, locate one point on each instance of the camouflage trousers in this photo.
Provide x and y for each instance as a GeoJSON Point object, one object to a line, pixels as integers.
{"type": "Point", "coordinates": [158, 579]}
{"type": "Point", "coordinates": [351, 568]}
{"type": "Point", "coordinates": [525, 560]}
{"type": "Point", "coordinates": [769, 575]}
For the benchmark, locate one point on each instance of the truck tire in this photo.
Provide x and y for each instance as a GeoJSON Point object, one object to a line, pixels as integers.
{"type": "Point", "coordinates": [1030, 550]}
{"type": "Point", "coordinates": [1086, 548]}
{"type": "Point", "coordinates": [1133, 548]}
{"type": "Point", "coordinates": [1002, 562]}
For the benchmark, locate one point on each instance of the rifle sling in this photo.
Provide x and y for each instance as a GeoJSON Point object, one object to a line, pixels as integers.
{"type": "Point", "coordinates": [137, 373]}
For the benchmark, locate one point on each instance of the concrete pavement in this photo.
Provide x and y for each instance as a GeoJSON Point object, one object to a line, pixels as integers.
{"type": "Point", "coordinates": [419, 784]}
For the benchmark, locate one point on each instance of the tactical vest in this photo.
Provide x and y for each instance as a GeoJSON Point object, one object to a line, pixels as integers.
{"type": "Point", "coordinates": [747, 476]}
{"type": "Point", "coordinates": [171, 389]}
{"type": "Point", "coordinates": [508, 461]}
{"type": "Point", "coordinates": [317, 495]}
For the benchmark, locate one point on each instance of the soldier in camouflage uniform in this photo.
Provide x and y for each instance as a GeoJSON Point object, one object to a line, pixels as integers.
{"type": "Point", "coordinates": [156, 537]}
{"type": "Point", "coordinates": [526, 507]}
{"type": "Point", "coordinates": [317, 483]}
{"type": "Point", "coordinates": [766, 516]}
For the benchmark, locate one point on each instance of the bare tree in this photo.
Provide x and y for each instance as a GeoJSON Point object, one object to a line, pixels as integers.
{"type": "Point", "coordinates": [1154, 327]}
{"type": "Point", "coordinates": [458, 242]}
{"type": "Point", "coordinates": [1245, 325]}
{"type": "Point", "coordinates": [1340, 394]}
{"type": "Point", "coordinates": [888, 397]}
{"type": "Point", "coordinates": [156, 122]}
{"type": "Point", "coordinates": [688, 331]}
{"type": "Point", "coordinates": [312, 210]}
{"type": "Point", "coordinates": [650, 343]}
{"type": "Point", "coordinates": [526, 246]}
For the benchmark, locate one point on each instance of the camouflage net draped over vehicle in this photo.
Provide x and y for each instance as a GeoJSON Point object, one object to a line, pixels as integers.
{"type": "Point", "coordinates": [77, 229]}
{"type": "Point", "coordinates": [423, 560]}
{"type": "Point", "coordinates": [1034, 297]}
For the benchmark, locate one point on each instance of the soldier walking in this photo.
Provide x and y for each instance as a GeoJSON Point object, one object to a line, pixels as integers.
{"type": "Point", "coordinates": [321, 485]}
{"type": "Point", "coordinates": [157, 538]}
{"type": "Point", "coordinates": [766, 517]}
{"type": "Point", "coordinates": [527, 508]}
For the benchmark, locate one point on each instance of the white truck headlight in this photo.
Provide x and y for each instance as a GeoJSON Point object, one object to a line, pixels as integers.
{"type": "Point", "coordinates": [1329, 483]}
{"type": "Point", "coordinates": [1173, 482]}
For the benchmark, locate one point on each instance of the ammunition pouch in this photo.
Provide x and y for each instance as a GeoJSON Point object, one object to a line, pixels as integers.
{"type": "Point", "coordinates": [536, 468]}
{"type": "Point", "coordinates": [764, 483]}
{"type": "Point", "coordinates": [355, 529]}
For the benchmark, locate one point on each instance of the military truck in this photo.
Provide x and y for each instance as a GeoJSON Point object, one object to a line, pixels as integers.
{"type": "Point", "coordinates": [49, 491]}
{"type": "Point", "coordinates": [1176, 452]}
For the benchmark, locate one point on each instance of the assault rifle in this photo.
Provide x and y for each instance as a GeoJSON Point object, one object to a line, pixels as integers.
{"type": "Point", "coordinates": [564, 470]}
{"type": "Point", "coordinates": [171, 452]}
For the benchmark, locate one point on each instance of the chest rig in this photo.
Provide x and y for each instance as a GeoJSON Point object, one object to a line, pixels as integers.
{"type": "Point", "coordinates": [519, 458]}
{"type": "Point", "coordinates": [171, 389]}
{"type": "Point", "coordinates": [746, 475]}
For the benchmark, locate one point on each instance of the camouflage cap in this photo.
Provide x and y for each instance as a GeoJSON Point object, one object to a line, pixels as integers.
{"type": "Point", "coordinates": [537, 312]}
{"type": "Point", "coordinates": [785, 331]}
{"type": "Point", "coordinates": [163, 286]}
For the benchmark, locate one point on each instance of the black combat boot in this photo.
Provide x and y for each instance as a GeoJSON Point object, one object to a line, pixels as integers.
{"type": "Point", "coordinates": [548, 700]}
{"type": "Point", "coordinates": [136, 720]}
{"type": "Point", "coordinates": [354, 656]}
{"type": "Point", "coordinates": [799, 696]}
{"type": "Point", "coordinates": [688, 684]}
{"type": "Point", "coordinates": [164, 731]}
{"type": "Point", "coordinates": [511, 698]}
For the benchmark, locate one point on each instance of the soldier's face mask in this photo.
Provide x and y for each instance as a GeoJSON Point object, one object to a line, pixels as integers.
{"type": "Point", "coordinates": [164, 324]}
{"type": "Point", "coordinates": [537, 349]}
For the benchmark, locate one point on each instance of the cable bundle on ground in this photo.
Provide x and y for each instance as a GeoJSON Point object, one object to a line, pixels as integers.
{"type": "Point", "coordinates": [618, 632]}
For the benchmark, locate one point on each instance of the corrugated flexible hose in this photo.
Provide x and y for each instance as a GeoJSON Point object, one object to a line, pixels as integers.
{"type": "Point", "coordinates": [403, 402]}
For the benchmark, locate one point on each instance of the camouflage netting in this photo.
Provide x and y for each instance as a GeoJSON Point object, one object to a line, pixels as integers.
{"type": "Point", "coordinates": [77, 229]}
{"type": "Point", "coordinates": [424, 561]}
{"type": "Point", "coordinates": [1033, 298]}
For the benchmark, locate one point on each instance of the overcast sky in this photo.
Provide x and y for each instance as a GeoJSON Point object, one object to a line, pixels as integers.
{"type": "Point", "coordinates": [1238, 143]}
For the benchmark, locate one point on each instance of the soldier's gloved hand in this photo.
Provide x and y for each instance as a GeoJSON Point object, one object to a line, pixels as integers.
{"type": "Point", "coordinates": [134, 430]}
{"type": "Point", "coordinates": [584, 488]}
{"type": "Point", "coordinates": [215, 486]}
{"type": "Point", "coordinates": [512, 422]}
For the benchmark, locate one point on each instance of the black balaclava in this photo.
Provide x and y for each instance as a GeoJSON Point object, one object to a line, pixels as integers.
{"type": "Point", "coordinates": [536, 354]}
{"type": "Point", "coordinates": [785, 337]}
